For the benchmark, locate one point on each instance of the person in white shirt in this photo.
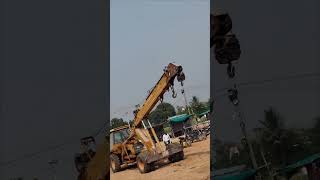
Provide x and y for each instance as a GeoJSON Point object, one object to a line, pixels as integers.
{"type": "Point", "coordinates": [166, 139]}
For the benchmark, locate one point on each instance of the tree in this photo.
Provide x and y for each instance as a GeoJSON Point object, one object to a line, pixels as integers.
{"type": "Point", "coordinates": [273, 135]}
{"type": "Point", "coordinates": [209, 104]}
{"type": "Point", "coordinates": [162, 112]}
{"type": "Point", "coordinates": [117, 122]}
{"type": "Point", "coordinates": [181, 110]}
{"type": "Point", "coordinates": [285, 145]}
{"type": "Point", "coordinates": [197, 106]}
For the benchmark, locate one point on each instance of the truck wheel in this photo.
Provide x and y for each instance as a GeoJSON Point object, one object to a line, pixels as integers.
{"type": "Point", "coordinates": [172, 158]}
{"type": "Point", "coordinates": [82, 174]}
{"type": "Point", "coordinates": [176, 157]}
{"type": "Point", "coordinates": [115, 163]}
{"type": "Point", "coordinates": [143, 166]}
{"type": "Point", "coordinates": [180, 156]}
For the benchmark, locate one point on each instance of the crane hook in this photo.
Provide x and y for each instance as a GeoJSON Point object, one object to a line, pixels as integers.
{"type": "Point", "coordinates": [174, 94]}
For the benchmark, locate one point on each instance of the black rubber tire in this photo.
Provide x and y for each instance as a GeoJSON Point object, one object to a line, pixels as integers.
{"type": "Point", "coordinates": [82, 174]}
{"type": "Point", "coordinates": [77, 163]}
{"type": "Point", "coordinates": [176, 157]}
{"type": "Point", "coordinates": [172, 158]}
{"type": "Point", "coordinates": [180, 156]}
{"type": "Point", "coordinates": [143, 166]}
{"type": "Point", "coordinates": [115, 163]}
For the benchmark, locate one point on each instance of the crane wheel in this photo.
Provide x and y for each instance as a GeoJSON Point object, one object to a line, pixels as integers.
{"type": "Point", "coordinates": [115, 163]}
{"type": "Point", "coordinates": [176, 157]}
{"type": "Point", "coordinates": [143, 166]}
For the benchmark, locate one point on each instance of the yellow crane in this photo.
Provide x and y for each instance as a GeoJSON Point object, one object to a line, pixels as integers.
{"type": "Point", "coordinates": [135, 144]}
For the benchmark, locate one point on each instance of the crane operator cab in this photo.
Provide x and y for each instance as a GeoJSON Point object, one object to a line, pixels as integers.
{"type": "Point", "coordinates": [119, 135]}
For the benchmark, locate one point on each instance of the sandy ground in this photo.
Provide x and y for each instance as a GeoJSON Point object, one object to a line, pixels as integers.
{"type": "Point", "coordinates": [195, 166]}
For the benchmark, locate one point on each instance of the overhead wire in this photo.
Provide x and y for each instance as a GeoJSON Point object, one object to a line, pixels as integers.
{"type": "Point", "coordinates": [280, 78]}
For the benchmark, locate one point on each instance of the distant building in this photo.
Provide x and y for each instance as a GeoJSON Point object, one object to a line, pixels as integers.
{"type": "Point", "coordinates": [178, 123]}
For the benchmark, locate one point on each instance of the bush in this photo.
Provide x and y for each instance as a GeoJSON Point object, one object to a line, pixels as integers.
{"type": "Point", "coordinates": [167, 129]}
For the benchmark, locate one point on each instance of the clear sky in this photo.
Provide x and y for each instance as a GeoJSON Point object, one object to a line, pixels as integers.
{"type": "Point", "coordinates": [146, 36]}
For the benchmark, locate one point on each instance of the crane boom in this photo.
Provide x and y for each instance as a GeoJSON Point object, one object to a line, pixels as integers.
{"type": "Point", "coordinates": [156, 94]}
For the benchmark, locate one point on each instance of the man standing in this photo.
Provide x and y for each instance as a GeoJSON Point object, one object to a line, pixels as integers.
{"type": "Point", "coordinates": [166, 139]}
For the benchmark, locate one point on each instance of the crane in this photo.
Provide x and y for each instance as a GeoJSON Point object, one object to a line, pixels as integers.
{"type": "Point", "coordinates": [133, 144]}
{"type": "Point", "coordinates": [138, 146]}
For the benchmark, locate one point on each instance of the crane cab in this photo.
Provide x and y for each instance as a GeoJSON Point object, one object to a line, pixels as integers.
{"type": "Point", "coordinates": [119, 135]}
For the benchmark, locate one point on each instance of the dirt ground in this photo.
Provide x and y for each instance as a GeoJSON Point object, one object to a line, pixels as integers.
{"type": "Point", "coordinates": [195, 166]}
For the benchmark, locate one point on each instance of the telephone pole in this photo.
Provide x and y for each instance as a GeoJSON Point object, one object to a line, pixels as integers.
{"type": "Point", "coordinates": [248, 142]}
{"type": "Point", "coordinates": [185, 100]}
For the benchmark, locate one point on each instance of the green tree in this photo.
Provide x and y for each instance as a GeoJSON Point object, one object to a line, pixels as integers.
{"type": "Point", "coordinates": [284, 145]}
{"type": "Point", "coordinates": [162, 112]}
{"type": "Point", "coordinates": [117, 122]}
{"type": "Point", "coordinates": [181, 110]}
{"type": "Point", "coordinates": [209, 104]}
{"type": "Point", "coordinates": [273, 135]}
{"type": "Point", "coordinates": [197, 106]}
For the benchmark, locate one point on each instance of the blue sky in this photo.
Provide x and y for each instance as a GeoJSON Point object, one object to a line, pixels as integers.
{"type": "Point", "coordinates": [145, 37]}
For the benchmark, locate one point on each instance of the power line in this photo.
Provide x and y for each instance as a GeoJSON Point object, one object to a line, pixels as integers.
{"type": "Point", "coordinates": [282, 78]}
{"type": "Point", "coordinates": [219, 93]}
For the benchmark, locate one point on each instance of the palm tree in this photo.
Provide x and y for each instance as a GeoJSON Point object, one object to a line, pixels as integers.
{"type": "Point", "coordinates": [274, 136]}
{"type": "Point", "coordinates": [197, 107]}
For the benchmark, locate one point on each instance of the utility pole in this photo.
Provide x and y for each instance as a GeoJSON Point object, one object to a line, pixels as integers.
{"type": "Point", "coordinates": [244, 132]}
{"type": "Point", "coordinates": [185, 100]}
{"type": "Point", "coordinates": [262, 152]}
